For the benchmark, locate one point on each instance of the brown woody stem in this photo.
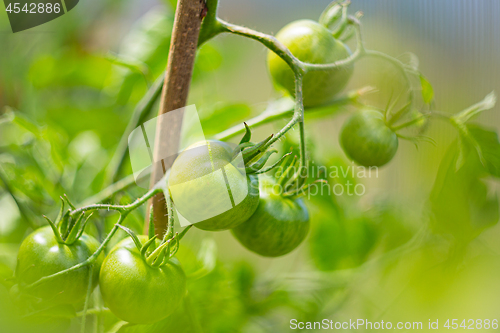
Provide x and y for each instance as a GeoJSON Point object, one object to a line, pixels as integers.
{"type": "Point", "coordinates": [188, 18]}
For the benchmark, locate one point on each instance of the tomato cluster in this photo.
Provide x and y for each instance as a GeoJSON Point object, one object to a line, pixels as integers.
{"type": "Point", "coordinates": [134, 289]}
{"type": "Point", "coordinates": [268, 224]}
{"type": "Point", "coordinates": [365, 137]}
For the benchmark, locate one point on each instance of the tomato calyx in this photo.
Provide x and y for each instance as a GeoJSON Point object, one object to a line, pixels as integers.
{"type": "Point", "coordinates": [255, 155]}
{"type": "Point", "coordinates": [334, 17]}
{"type": "Point", "coordinates": [67, 230]}
{"type": "Point", "coordinates": [153, 254]}
{"type": "Point", "coordinates": [291, 178]}
{"type": "Point", "coordinates": [405, 118]}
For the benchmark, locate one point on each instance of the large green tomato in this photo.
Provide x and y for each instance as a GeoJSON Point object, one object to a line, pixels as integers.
{"type": "Point", "coordinates": [210, 189]}
{"type": "Point", "coordinates": [136, 292]}
{"type": "Point", "coordinates": [311, 42]}
{"type": "Point", "coordinates": [41, 255]}
{"type": "Point", "coordinates": [276, 228]}
{"type": "Point", "coordinates": [367, 140]}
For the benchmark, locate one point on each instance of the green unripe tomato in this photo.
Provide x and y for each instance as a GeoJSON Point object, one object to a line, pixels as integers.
{"type": "Point", "coordinates": [311, 42]}
{"type": "Point", "coordinates": [210, 189]}
{"type": "Point", "coordinates": [136, 292]}
{"type": "Point", "coordinates": [41, 255]}
{"type": "Point", "coordinates": [277, 227]}
{"type": "Point", "coordinates": [367, 140]}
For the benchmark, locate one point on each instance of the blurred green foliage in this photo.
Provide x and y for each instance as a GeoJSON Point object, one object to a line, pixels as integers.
{"type": "Point", "coordinates": [65, 103]}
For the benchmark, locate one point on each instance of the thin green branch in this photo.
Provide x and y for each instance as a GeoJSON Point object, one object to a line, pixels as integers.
{"type": "Point", "coordinates": [23, 210]}
{"type": "Point", "coordinates": [284, 108]}
{"type": "Point", "coordinates": [95, 311]}
{"type": "Point", "coordinates": [359, 53]}
{"type": "Point", "coordinates": [87, 299]}
{"type": "Point", "coordinates": [211, 25]}
{"type": "Point", "coordinates": [121, 208]}
{"type": "Point", "coordinates": [410, 122]}
{"type": "Point", "coordinates": [268, 41]}
{"type": "Point", "coordinates": [109, 191]}
{"type": "Point", "coordinates": [299, 112]}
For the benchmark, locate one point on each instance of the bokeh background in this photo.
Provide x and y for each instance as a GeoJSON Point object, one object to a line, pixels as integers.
{"type": "Point", "coordinates": [397, 253]}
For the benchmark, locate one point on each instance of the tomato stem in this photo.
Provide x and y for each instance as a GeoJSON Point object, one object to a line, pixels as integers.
{"type": "Point", "coordinates": [189, 15]}
{"type": "Point", "coordinates": [87, 298]}
{"type": "Point", "coordinates": [409, 123]}
{"type": "Point", "coordinates": [284, 108]}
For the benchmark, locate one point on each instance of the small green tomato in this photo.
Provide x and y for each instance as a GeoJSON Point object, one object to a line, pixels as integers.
{"type": "Point", "coordinates": [137, 292]}
{"type": "Point", "coordinates": [367, 140]}
{"type": "Point", "coordinates": [210, 188]}
{"type": "Point", "coordinates": [277, 227]}
{"type": "Point", "coordinates": [311, 42]}
{"type": "Point", "coordinates": [41, 255]}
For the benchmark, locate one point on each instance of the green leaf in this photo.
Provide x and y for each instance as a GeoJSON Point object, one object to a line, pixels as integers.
{"type": "Point", "coordinates": [149, 39]}
{"type": "Point", "coordinates": [130, 63]}
{"type": "Point", "coordinates": [460, 202]}
{"type": "Point", "coordinates": [486, 104]}
{"type": "Point", "coordinates": [427, 90]}
{"type": "Point", "coordinates": [53, 319]}
{"type": "Point", "coordinates": [223, 116]}
{"type": "Point", "coordinates": [487, 146]}
{"type": "Point", "coordinates": [207, 256]}
{"type": "Point", "coordinates": [338, 241]}
{"type": "Point", "coordinates": [179, 321]}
